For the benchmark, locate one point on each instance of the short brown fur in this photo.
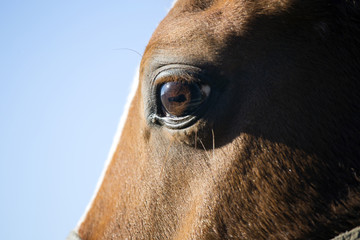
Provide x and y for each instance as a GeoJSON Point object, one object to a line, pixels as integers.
{"type": "Point", "coordinates": [277, 156]}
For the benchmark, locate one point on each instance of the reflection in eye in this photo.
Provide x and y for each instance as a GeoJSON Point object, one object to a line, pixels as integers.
{"type": "Point", "coordinates": [180, 99]}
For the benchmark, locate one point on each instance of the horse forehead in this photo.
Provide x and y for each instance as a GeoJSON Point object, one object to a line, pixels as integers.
{"type": "Point", "coordinates": [198, 21]}
{"type": "Point", "coordinates": [205, 28]}
{"type": "Point", "coordinates": [217, 15]}
{"type": "Point", "coordinates": [205, 5]}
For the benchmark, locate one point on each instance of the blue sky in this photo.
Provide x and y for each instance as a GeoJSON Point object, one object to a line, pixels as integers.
{"type": "Point", "coordinates": [64, 79]}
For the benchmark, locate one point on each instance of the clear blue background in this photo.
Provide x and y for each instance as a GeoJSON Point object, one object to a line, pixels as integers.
{"type": "Point", "coordinates": [64, 80]}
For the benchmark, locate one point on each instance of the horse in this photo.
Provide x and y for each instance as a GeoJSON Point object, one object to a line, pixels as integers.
{"type": "Point", "coordinates": [244, 124]}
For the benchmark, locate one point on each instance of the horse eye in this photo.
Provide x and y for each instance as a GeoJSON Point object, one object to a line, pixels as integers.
{"type": "Point", "coordinates": [180, 99]}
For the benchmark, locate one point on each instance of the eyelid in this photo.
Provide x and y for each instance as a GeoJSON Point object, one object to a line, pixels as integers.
{"type": "Point", "coordinates": [178, 76]}
{"type": "Point", "coordinates": [179, 70]}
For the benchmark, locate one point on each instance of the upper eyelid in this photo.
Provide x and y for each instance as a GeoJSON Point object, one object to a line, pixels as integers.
{"type": "Point", "coordinates": [175, 69]}
{"type": "Point", "coordinates": [184, 77]}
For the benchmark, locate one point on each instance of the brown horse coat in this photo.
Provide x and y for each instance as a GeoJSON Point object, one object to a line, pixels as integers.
{"type": "Point", "coordinates": [245, 125]}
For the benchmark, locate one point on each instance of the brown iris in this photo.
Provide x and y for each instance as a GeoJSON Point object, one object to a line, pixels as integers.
{"type": "Point", "coordinates": [180, 99]}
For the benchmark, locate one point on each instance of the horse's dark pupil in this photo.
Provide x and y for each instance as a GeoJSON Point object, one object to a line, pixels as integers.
{"type": "Point", "coordinates": [179, 99]}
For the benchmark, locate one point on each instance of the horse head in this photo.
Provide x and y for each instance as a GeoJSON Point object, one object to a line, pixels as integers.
{"type": "Point", "coordinates": [245, 124]}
